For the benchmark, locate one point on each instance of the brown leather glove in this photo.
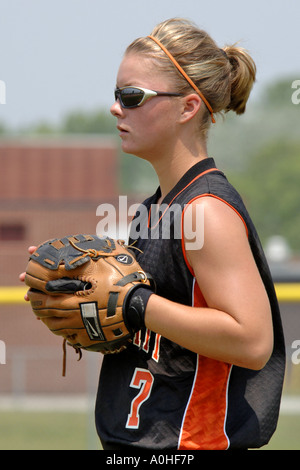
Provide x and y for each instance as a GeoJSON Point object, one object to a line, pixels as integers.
{"type": "Point", "coordinates": [90, 290]}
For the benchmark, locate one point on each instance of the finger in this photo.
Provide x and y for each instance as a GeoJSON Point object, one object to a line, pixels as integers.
{"type": "Point", "coordinates": [44, 305]}
{"type": "Point", "coordinates": [66, 325]}
{"type": "Point", "coordinates": [31, 249]}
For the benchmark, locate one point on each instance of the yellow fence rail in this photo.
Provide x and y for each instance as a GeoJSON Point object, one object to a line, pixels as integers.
{"type": "Point", "coordinates": [12, 295]}
{"type": "Point", "coordinates": [286, 292]}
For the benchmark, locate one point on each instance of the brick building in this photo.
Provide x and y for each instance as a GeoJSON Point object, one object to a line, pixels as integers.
{"type": "Point", "coordinates": [51, 188]}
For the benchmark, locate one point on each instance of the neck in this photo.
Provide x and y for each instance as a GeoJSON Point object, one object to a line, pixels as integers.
{"type": "Point", "coordinates": [170, 169]}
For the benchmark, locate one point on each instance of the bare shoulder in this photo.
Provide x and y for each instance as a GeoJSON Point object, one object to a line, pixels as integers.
{"type": "Point", "coordinates": [216, 224]}
{"type": "Point", "coordinates": [225, 263]}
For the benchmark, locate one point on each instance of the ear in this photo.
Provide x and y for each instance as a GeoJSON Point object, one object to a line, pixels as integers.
{"type": "Point", "coordinates": [190, 107]}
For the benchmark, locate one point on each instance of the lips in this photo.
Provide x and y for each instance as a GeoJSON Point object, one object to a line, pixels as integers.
{"type": "Point", "coordinates": [121, 129]}
{"type": "Point", "coordinates": [122, 132]}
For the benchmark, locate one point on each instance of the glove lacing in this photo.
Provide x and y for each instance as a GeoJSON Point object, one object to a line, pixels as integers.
{"type": "Point", "coordinates": [77, 350]}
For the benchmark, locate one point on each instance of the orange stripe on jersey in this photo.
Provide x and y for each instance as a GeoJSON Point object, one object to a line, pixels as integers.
{"type": "Point", "coordinates": [203, 426]}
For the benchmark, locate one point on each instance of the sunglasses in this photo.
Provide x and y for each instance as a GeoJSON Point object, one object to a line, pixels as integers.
{"type": "Point", "coordinates": [132, 97]}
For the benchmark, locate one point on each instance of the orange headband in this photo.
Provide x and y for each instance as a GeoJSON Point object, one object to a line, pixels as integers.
{"type": "Point", "coordinates": [185, 76]}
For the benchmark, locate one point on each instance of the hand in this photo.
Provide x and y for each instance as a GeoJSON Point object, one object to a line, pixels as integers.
{"type": "Point", "coordinates": [31, 249]}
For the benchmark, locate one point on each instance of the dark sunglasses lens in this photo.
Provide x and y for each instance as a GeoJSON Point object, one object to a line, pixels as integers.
{"type": "Point", "coordinates": [131, 97]}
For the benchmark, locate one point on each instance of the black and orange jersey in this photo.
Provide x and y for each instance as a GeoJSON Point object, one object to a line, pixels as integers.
{"type": "Point", "coordinates": [159, 395]}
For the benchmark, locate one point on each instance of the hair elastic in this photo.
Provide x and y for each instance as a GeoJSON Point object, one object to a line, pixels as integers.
{"type": "Point", "coordinates": [224, 53]}
{"type": "Point", "coordinates": [190, 81]}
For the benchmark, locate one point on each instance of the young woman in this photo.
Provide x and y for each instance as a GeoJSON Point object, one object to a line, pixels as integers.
{"type": "Point", "coordinates": [207, 371]}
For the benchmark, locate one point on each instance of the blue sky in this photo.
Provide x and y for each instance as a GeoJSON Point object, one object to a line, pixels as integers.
{"type": "Point", "coordinates": [62, 55]}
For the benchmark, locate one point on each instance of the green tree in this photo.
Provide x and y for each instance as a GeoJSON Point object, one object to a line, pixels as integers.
{"type": "Point", "coordinates": [96, 122]}
{"type": "Point", "coordinates": [271, 190]}
{"type": "Point", "coordinates": [278, 95]}
{"type": "Point", "coordinates": [3, 128]}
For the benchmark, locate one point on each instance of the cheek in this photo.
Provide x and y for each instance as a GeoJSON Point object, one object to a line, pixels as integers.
{"type": "Point", "coordinates": [152, 128]}
{"type": "Point", "coordinates": [145, 127]}
{"type": "Point", "coordinates": [160, 121]}
{"type": "Point", "coordinates": [151, 132]}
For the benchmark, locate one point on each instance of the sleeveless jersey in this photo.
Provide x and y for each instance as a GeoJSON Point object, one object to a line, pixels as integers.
{"type": "Point", "coordinates": [159, 395]}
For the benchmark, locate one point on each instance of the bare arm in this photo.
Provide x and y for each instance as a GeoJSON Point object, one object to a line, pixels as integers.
{"type": "Point", "coordinates": [236, 326]}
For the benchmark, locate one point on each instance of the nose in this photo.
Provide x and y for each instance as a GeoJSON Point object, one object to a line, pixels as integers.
{"type": "Point", "coordinates": [116, 109]}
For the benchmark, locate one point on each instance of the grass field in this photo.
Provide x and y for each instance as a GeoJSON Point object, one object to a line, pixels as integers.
{"type": "Point", "coordinates": [75, 431]}
{"type": "Point", "coordinates": [287, 435]}
{"type": "Point", "coordinates": [47, 431]}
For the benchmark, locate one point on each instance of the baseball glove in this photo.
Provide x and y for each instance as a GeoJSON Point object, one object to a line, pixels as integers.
{"type": "Point", "coordinates": [90, 290]}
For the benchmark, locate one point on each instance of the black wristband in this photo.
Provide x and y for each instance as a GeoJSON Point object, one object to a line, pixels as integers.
{"type": "Point", "coordinates": [136, 308]}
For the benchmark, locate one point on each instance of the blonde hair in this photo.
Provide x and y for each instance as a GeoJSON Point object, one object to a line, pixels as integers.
{"type": "Point", "coordinates": [224, 76]}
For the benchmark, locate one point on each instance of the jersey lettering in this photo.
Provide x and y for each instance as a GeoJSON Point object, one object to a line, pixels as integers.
{"type": "Point", "coordinates": [144, 343]}
{"type": "Point", "coordinates": [142, 379]}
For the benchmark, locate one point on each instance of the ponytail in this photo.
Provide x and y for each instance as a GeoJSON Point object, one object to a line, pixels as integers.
{"type": "Point", "coordinates": [243, 72]}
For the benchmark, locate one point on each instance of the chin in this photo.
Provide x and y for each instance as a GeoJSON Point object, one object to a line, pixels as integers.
{"type": "Point", "coordinates": [134, 151]}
